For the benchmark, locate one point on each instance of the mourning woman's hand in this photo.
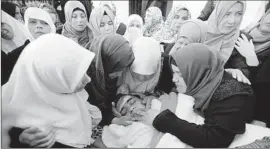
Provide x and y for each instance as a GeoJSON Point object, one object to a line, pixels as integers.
{"type": "Point", "coordinates": [34, 137]}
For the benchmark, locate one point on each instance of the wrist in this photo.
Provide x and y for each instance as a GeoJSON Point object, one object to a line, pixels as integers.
{"type": "Point", "coordinates": [252, 60]}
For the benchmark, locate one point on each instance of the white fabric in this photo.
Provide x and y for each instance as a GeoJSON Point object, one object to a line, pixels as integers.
{"type": "Point", "coordinates": [133, 33]}
{"type": "Point", "coordinates": [147, 53]}
{"type": "Point", "coordinates": [136, 135]}
{"type": "Point", "coordinates": [43, 87]}
{"type": "Point", "coordinates": [40, 14]}
{"type": "Point", "coordinates": [19, 31]}
{"type": "Point", "coordinates": [185, 111]}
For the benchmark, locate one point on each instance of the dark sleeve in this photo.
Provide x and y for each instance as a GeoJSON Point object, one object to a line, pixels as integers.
{"type": "Point", "coordinates": [224, 120]}
{"type": "Point", "coordinates": [121, 29]}
{"type": "Point", "coordinates": [104, 106]}
{"type": "Point", "coordinates": [14, 134]}
{"type": "Point", "coordinates": [207, 10]}
{"type": "Point", "coordinates": [165, 83]}
{"type": "Point", "coordinates": [168, 47]}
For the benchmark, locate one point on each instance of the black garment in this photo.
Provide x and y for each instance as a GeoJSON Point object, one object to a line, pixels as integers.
{"type": "Point", "coordinates": [9, 62]}
{"type": "Point", "coordinates": [165, 85]}
{"type": "Point", "coordinates": [121, 29]}
{"type": "Point", "coordinates": [229, 110]}
{"type": "Point", "coordinates": [9, 8]}
{"type": "Point", "coordinates": [261, 86]}
{"type": "Point", "coordinates": [14, 134]}
{"type": "Point", "coordinates": [168, 47]}
{"type": "Point", "coordinates": [207, 10]}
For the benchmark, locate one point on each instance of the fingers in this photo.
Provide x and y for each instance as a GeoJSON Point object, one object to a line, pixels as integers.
{"type": "Point", "coordinates": [244, 37]}
{"type": "Point", "coordinates": [115, 112]}
{"type": "Point", "coordinates": [45, 141]}
{"type": "Point", "coordinates": [240, 39]}
{"type": "Point", "coordinates": [49, 143]}
{"type": "Point", "coordinates": [31, 130]}
{"type": "Point", "coordinates": [42, 137]}
{"type": "Point", "coordinates": [237, 47]}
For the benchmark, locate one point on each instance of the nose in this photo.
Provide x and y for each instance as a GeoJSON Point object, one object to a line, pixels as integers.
{"type": "Point", "coordinates": [39, 25]}
{"type": "Point", "coordinates": [231, 20]}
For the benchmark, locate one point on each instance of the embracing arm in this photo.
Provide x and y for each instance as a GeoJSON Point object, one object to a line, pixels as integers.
{"type": "Point", "coordinates": [226, 119]}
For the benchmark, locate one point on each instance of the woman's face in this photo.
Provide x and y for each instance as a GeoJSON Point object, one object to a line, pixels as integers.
{"type": "Point", "coordinates": [78, 20]}
{"type": "Point", "coordinates": [6, 31]}
{"type": "Point", "coordinates": [178, 80]}
{"type": "Point", "coordinates": [182, 41]}
{"type": "Point", "coordinates": [106, 25]}
{"type": "Point", "coordinates": [18, 15]}
{"type": "Point", "coordinates": [178, 19]}
{"type": "Point", "coordinates": [85, 80]}
{"type": "Point", "coordinates": [148, 17]}
{"type": "Point", "coordinates": [135, 23]}
{"type": "Point", "coordinates": [38, 27]}
{"type": "Point", "coordinates": [232, 19]}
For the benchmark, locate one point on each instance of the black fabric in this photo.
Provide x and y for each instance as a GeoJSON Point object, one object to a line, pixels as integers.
{"type": "Point", "coordinates": [261, 86]}
{"type": "Point", "coordinates": [207, 10]}
{"type": "Point", "coordinates": [9, 8]}
{"type": "Point", "coordinates": [168, 47]}
{"type": "Point", "coordinates": [237, 61]}
{"type": "Point", "coordinates": [165, 83]}
{"type": "Point", "coordinates": [121, 29]}
{"type": "Point", "coordinates": [14, 134]}
{"type": "Point", "coordinates": [223, 120]}
{"type": "Point", "coordinates": [9, 62]}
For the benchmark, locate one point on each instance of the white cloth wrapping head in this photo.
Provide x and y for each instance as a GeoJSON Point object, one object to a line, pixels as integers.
{"type": "Point", "coordinates": [43, 87]}
{"type": "Point", "coordinates": [19, 31]}
{"type": "Point", "coordinates": [40, 14]}
{"type": "Point", "coordinates": [147, 52]}
{"type": "Point", "coordinates": [133, 33]}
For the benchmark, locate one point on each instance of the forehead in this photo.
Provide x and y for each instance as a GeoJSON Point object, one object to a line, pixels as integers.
{"type": "Point", "coordinates": [182, 12]}
{"type": "Point", "coordinates": [236, 7]}
{"type": "Point", "coordinates": [106, 18]}
{"type": "Point", "coordinates": [135, 22]}
{"type": "Point", "coordinates": [77, 12]}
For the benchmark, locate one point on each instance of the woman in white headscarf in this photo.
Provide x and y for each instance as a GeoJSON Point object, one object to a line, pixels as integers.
{"type": "Point", "coordinates": [102, 21]}
{"type": "Point", "coordinates": [13, 33]}
{"type": "Point", "coordinates": [47, 87]}
{"type": "Point", "coordinates": [147, 75]}
{"type": "Point", "coordinates": [37, 23]}
{"type": "Point", "coordinates": [134, 28]}
{"type": "Point", "coordinates": [76, 26]}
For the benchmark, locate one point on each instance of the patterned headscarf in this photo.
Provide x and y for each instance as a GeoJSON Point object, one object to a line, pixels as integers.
{"type": "Point", "coordinates": [156, 23]}
{"type": "Point", "coordinates": [168, 35]}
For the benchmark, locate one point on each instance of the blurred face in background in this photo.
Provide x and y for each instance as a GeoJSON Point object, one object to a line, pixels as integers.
{"type": "Point", "coordinates": [106, 25]}
{"type": "Point", "coordinates": [38, 27]}
{"type": "Point", "coordinates": [79, 20]}
{"type": "Point", "coordinates": [6, 31]}
{"type": "Point", "coordinates": [181, 16]}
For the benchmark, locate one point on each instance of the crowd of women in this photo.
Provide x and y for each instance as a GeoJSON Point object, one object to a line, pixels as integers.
{"type": "Point", "coordinates": [85, 62]}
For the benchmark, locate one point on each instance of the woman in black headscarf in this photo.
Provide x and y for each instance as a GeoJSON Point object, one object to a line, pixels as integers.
{"type": "Point", "coordinates": [13, 10]}
{"type": "Point", "coordinates": [113, 55]}
{"type": "Point", "coordinates": [225, 103]}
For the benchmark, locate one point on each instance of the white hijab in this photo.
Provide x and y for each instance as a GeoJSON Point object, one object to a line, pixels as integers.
{"type": "Point", "coordinates": [40, 14]}
{"type": "Point", "coordinates": [19, 31]}
{"type": "Point", "coordinates": [147, 52]}
{"type": "Point", "coordinates": [133, 33]}
{"type": "Point", "coordinates": [42, 86]}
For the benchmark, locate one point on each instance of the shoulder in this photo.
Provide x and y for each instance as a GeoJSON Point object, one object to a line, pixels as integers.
{"type": "Point", "coordinates": [231, 87]}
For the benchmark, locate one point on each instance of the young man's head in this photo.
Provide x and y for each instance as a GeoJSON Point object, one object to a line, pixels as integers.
{"type": "Point", "coordinates": [127, 104]}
